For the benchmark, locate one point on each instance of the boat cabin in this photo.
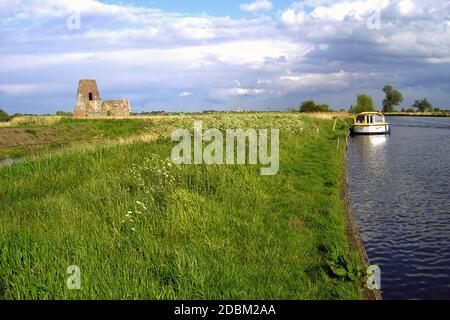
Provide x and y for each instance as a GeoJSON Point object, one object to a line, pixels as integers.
{"type": "Point", "coordinates": [370, 123]}
{"type": "Point", "coordinates": [366, 118]}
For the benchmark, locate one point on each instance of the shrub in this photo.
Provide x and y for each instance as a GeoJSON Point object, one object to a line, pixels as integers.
{"type": "Point", "coordinates": [423, 105]}
{"type": "Point", "coordinates": [64, 114]}
{"type": "Point", "coordinates": [311, 106]}
{"type": "Point", "coordinates": [3, 116]}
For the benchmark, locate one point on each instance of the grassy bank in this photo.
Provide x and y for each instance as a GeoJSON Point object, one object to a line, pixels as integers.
{"type": "Point", "coordinates": [30, 136]}
{"type": "Point", "coordinates": [141, 228]}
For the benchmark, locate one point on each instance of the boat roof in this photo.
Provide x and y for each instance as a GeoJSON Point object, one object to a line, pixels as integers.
{"type": "Point", "coordinates": [373, 112]}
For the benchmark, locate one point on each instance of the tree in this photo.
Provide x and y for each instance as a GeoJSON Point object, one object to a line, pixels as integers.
{"type": "Point", "coordinates": [308, 106]}
{"type": "Point", "coordinates": [311, 106]}
{"type": "Point", "coordinates": [3, 116]}
{"type": "Point", "coordinates": [364, 104]}
{"type": "Point", "coordinates": [323, 107]}
{"type": "Point", "coordinates": [423, 105]}
{"type": "Point", "coordinates": [393, 98]}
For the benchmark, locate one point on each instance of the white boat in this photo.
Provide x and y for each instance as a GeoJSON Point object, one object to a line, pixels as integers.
{"type": "Point", "coordinates": [370, 123]}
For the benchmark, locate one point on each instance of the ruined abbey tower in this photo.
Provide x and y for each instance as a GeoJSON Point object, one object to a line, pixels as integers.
{"type": "Point", "coordinates": [89, 104]}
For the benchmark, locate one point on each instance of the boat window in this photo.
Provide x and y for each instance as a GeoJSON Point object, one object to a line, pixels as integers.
{"type": "Point", "coordinates": [360, 119]}
{"type": "Point", "coordinates": [378, 119]}
{"type": "Point", "coordinates": [369, 119]}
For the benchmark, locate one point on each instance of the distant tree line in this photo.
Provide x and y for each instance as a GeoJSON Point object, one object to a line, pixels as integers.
{"type": "Point", "coordinates": [4, 116]}
{"type": "Point", "coordinates": [364, 103]}
{"type": "Point", "coordinates": [311, 106]}
{"type": "Point", "coordinates": [64, 113]}
{"type": "Point", "coordinates": [149, 113]}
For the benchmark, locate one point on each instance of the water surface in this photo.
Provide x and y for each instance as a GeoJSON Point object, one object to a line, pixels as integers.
{"type": "Point", "coordinates": [400, 191]}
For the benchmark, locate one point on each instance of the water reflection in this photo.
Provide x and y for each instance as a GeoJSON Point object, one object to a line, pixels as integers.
{"type": "Point", "coordinates": [371, 149]}
{"type": "Point", "coordinates": [399, 187]}
{"type": "Point", "coordinates": [378, 140]}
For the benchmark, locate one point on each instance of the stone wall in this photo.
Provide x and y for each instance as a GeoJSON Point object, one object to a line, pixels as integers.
{"type": "Point", "coordinates": [117, 108]}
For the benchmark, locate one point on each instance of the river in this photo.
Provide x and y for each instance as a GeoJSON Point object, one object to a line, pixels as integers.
{"type": "Point", "coordinates": [400, 192]}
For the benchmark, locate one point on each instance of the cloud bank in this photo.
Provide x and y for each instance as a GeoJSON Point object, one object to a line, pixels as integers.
{"type": "Point", "coordinates": [175, 61]}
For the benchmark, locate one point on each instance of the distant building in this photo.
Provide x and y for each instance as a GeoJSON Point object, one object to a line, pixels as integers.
{"type": "Point", "coordinates": [89, 104]}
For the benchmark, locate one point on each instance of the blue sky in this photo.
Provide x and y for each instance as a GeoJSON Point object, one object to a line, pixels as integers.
{"type": "Point", "coordinates": [195, 55]}
{"type": "Point", "coordinates": [214, 8]}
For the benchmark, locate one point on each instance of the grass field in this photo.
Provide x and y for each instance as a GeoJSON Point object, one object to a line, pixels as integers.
{"type": "Point", "coordinates": [141, 228]}
{"type": "Point", "coordinates": [28, 136]}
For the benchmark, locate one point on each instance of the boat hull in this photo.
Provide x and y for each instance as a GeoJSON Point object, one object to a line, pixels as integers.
{"type": "Point", "coordinates": [372, 129]}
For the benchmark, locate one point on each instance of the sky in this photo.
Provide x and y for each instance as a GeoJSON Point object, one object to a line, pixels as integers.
{"type": "Point", "coordinates": [179, 55]}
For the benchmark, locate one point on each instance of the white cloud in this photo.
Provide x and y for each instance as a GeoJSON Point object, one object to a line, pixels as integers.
{"type": "Point", "coordinates": [333, 80]}
{"type": "Point", "coordinates": [185, 94]}
{"type": "Point", "coordinates": [290, 17]}
{"type": "Point", "coordinates": [258, 5]}
{"type": "Point", "coordinates": [406, 6]}
{"type": "Point", "coordinates": [358, 10]}
{"type": "Point", "coordinates": [227, 93]}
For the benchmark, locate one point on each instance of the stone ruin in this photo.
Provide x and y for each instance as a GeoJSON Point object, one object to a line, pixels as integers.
{"type": "Point", "coordinates": [89, 104]}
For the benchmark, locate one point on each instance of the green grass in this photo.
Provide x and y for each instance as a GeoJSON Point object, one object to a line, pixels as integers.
{"type": "Point", "coordinates": [13, 152]}
{"type": "Point", "coordinates": [69, 131]}
{"type": "Point", "coordinates": [111, 128]}
{"type": "Point", "coordinates": [203, 232]}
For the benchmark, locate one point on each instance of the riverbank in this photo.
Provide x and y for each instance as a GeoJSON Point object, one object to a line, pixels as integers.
{"type": "Point", "coordinates": [140, 228]}
{"type": "Point", "coordinates": [354, 237]}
